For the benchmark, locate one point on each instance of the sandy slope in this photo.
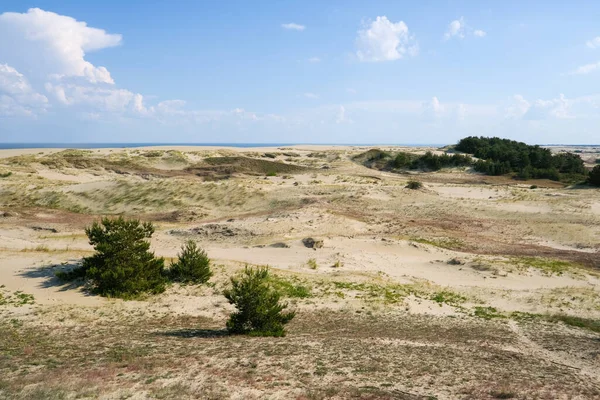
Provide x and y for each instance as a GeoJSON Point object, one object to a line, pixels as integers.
{"type": "Point", "coordinates": [457, 245]}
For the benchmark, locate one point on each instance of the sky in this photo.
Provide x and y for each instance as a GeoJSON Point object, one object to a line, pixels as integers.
{"type": "Point", "coordinates": [312, 71]}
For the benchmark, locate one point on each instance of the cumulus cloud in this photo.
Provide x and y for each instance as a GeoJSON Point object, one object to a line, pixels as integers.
{"type": "Point", "coordinates": [557, 108]}
{"type": "Point", "coordinates": [586, 69]}
{"type": "Point", "coordinates": [17, 95]}
{"type": "Point", "coordinates": [293, 27]}
{"type": "Point", "coordinates": [52, 45]}
{"type": "Point", "coordinates": [456, 28]}
{"type": "Point", "coordinates": [383, 40]}
{"type": "Point", "coordinates": [459, 29]}
{"type": "Point", "coordinates": [518, 108]}
{"type": "Point", "coordinates": [593, 43]}
{"type": "Point", "coordinates": [433, 109]}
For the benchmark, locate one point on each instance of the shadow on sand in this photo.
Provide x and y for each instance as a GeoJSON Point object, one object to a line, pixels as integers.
{"type": "Point", "coordinates": [196, 333]}
{"type": "Point", "coordinates": [48, 275]}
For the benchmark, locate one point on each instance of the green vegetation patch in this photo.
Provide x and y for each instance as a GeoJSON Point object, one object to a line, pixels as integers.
{"type": "Point", "coordinates": [448, 297]}
{"type": "Point", "coordinates": [503, 156]}
{"type": "Point", "coordinates": [382, 160]}
{"type": "Point", "coordinates": [15, 299]}
{"type": "Point", "coordinates": [487, 313]}
{"type": "Point", "coordinates": [291, 287]}
{"type": "Point", "coordinates": [546, 265]}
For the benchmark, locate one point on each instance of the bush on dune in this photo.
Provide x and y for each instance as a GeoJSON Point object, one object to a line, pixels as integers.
{"type": "Point", "coordinates": [594, 178]}
{"type": "Point", "coordinates": [259, 312]}
{"type": "Point", "coordinates": [192, 266]}
{"type": "Point", "coordinates": [122, 265]}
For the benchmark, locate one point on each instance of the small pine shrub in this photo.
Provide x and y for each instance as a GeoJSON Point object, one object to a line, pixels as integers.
{"type": "Point", "coordinates": [122, 266]}
{"type": "Point", "coordinates": [192, 266]}
{"type": "Point", "coordinates": [414, 185]}
{"type": "Point", "coordinates": [259, 312]}
{"type": "Point", "coordinates": [533, 187]}
{"type": "Point", "coordinates": [594, 178]}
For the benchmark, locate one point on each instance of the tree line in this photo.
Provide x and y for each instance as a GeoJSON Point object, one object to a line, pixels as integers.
{"type": "Point", "coordinates": [503, 156]}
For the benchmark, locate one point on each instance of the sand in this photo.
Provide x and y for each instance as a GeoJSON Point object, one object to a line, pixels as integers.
{"type": "Point", "coordinates": [455, 248]}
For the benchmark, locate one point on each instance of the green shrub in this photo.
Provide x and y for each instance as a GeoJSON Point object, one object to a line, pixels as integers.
{"type": "Point", "coordinates": [402, 160]}
{"type": "Point", "coordinates": [192, 266]}
{"type": "Point", "coordinates": [5, 174]}
{"type": "Point", "coordinates": [414, 185]}
{"type": "Point", "coordinates": [594, 178]}
{"type": "Point", "coordinates": [122, 266]}
{"type": "Point", "coordinates": [259, 312]}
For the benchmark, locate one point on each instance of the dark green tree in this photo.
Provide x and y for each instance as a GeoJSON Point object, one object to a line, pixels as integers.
{"type": "Point", "coordinates": [192, 266]}
{"type": "Point", "coordinates": [594, 178]}
{"type": "Point", "coordinates": [259, 312]}
{"type": "Point", "coordinates": [123, 266]}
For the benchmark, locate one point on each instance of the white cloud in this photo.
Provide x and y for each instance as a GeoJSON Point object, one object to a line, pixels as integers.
{"type": "Point", "coordinates": [342, 117]}
{"type": "Point", "coordinates": [17, 95]}
{"type": "Point", "coordinates": [518, 108]}
{"type": "Point", "coordinates": [351, 91]}
{"type": "Point", "coordinates": [594, 43]}
{"type": "Point", "coordinates": [52, 45]}
{"type": "Point", "coordinates": [585, 69]}
{"type": "Point", "coordinates": [433, 109]}
{"type": "Point", "coordinates": [293, 27]}
{"type": "Point", "coordinates": [311, 95]}
{"type": "Point", "coordinates": [459, 29]}
{"type": "Point", "coordinates": [456, 28]}
{"type": "Point", "coordinates": [383, 40]}
{"type": "Point", "coordinates": [314, 60]}
{"type": "Point", "coordinates": [560, 108]}
{"type": "Point", "coordinates": [543, 109]}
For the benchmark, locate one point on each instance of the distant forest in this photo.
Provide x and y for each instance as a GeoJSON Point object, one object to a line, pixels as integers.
{"type": "Point", "coordinates": [502, 156]}
{"type": "Point", "coordinates": [495, 156]}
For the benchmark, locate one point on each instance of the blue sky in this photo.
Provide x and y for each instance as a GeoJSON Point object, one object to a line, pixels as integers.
{"type": "Point", "coordinates": [299, 71]}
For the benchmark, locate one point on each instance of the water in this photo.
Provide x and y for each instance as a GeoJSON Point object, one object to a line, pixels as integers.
{"type": "Point", "coordinates": [4, 146]}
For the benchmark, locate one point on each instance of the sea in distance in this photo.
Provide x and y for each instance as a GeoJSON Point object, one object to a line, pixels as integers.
{"type": "Point", "coordinates": [5, 146]}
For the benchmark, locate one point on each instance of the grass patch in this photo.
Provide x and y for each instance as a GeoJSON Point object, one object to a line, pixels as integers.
{"type": "Point", "coordinates": [448, 297]}
{"type": "Point", "coordinates": [5, 174]}
{"type": "Point", "coordinates": [487, 313]}
{"type": "Point", "coordinates": [545, 265]}
{"type": "Point", "coordinates": [16, 299]}
{"type": "Point", "coordinates": [312, 263]}
{"type": "Point", "coordinates": [290, 287]}
{"type": "Point", "coordinates": [578, 322]}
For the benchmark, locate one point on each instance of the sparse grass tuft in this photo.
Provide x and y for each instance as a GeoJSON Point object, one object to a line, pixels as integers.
{"type": "Point", "coordinates": [312, 263]}
{"type": "Point", "coordinates": [414, 185]}
{"type": "Point", "coordinates": [290, 287]}
{"type": "Point", "coordinates": [585, 323]}
{"type": "Point", "coordinates": [487, 313]}
{"type": "Point", "coordinates": [448, 297]}
{"type": "Point", "coordinates": [5, 174]}
{"type": "Point", "coordinates": [545, 265]}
